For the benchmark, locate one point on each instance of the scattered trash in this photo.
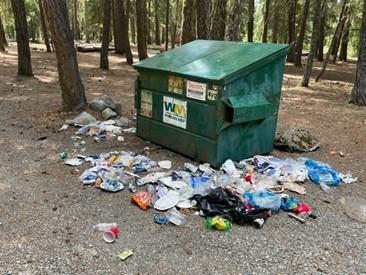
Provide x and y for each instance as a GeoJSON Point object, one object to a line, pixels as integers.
{"type": "Point", "coordinates": [190, 167]}
{"type": "Point", "coordinates": [84, 119]}
{"type": "Point", "coordinates": [168, 201]}
{"type": "Point", "coordinates": [219, 223]}
{"type": "Point", "coordinates": [63, 154]}
{"type": "Point", "coordinates": [356, 209]}
{"type": "Point", "coordinates": [108, 113]}
{"type": "Point", "coordinates": [111, 234]}
{"type": "Point", "coordinates": [102, 227]}
{"type": "Point", "coordinates": [129, 130]}
{"type": "Point", "coordinates": [74, 162]}
{"type": "Point", "coordinates": [175, 217]}
{"type": "Point", "coordinates": [294, 187]}
{"type": "Point", "coordinates": [125, 254]}
{"type": "Point", "coordinates": [64, 127]}
{"type": "Point", "coordinates": [264, 200]}
{"type": "Point", "coordinates": [296, 140]}
{"type": "Point", "coordinates": [142, 199]}
{"type": "Point", "coordinates": [161, 219]}
{"type": "Point", "coordinates": [111, 185]}
{"type": "Point", "coordinates": [296, 217]}
{"type": "Point", "coordinates": [120, 138]}
{"type": "Point", "coordinates": [165, 164]}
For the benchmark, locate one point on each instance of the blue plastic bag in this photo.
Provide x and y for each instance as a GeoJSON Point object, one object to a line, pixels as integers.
{"type": "Point", "coordinates": [264, 200]}
{"type": "Point", "coordinates": [288, 204]}
{"type": "Point", "coordinates": [320, 173]}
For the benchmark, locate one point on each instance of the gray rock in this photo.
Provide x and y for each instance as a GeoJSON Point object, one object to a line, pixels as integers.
{"type": "Point", "coordinates": [84, 119]}
{"type": "Point", "coordinates": [108, 113]}
{"type": "Point", "coordinates": [102, 102]}
{"type": "Point", "coordinates": [122, 121]}
{"type": "Point", "coordinates": [118, 109]}
{"type": "Point", "coordinates": [296, 140]}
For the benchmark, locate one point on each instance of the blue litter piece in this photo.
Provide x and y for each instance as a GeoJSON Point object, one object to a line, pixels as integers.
{"type": "Point", "coordinates": [322, 173]}
{"type": "Point", "coordinates": [264, 200]}
{"type": "Point", "coordinates": [160, 219]}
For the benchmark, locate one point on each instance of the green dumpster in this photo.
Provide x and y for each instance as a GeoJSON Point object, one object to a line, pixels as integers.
{"type": "Point", "coordinates": [211, 100]}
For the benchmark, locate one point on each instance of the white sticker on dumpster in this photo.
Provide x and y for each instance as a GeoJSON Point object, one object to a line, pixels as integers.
{"type": "Point", "coordinates": [196, 90]}
{"type": "Point", "coordinates": [175, 112]}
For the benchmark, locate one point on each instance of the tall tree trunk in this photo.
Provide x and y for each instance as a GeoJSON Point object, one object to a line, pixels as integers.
{"type": "Point", "coordinates": [340, 20]}
{"type": "Point", "coordinates": [337, 34]}
{"type": "Point", "coordinates": [125, 35]}
{"type": "Point", "coordinates": [141, 28]}
{"type": "Point", "coordinates": [105, 38]}
{"type": "Point", "coordinates": [188, 33]}
{"type": "Point", "coordinates": [148, 23]}
{"type": "Point", "coordinates": [157, 23]}
{"type": "Point", "coordinates": [250, 23]}
{"type": "Point", "coordinates": [320, 50]}
{"type": "Point", "coordinates": [133, 28]}
{"type": "Point", "coordinates": [218, 22]}
{"type": "Point", "coordinates": [345, 39]}
{"type": "Point", "coordinates": [234, 21]}
{"type": "Point", "coordinates": [44, 27]}
{"type": "Point", "coordinates": [3, 41]}
{"type": "Point", "coordinates": [291, 29]}
{"type": "Point", "coordinates": [359, 89]}
{"type": "Point", "coordinates": [300, 38]}
{"type": "Point", "coordinates": [175, 23]}
{"type": "Point", "coordinates": [118, 26]}
{"type": "Point", "coordinates": [265, 21]}
{"type": "Point", "coordinates": [202, 12]}
{"type": "Point", "coordinates": [167, 25]}
{"type": "Point", "coordinates": [76, 31]}
{"type": "Point", "coordinates": [314, 43]}
{"type": "Point", "coordinates": [163, 35]}
{"type": "Point", "coordinates": [86, 15]}
{"type": "Point", "coordinates": [72, 88]}
{"type": "Point", "coordinates": [338, 41]}
{"type": "Point", "coordinates": [275, 23]}
{"type": "Point", "coordinates": [24, 55]}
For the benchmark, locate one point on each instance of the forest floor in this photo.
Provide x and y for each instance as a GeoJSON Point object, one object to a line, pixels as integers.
{"type": "Point", "coordinates": [46, 215]}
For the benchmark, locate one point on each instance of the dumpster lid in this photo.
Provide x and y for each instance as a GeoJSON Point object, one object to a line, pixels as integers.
{"type": "Point", "coordinates": [209, 59]}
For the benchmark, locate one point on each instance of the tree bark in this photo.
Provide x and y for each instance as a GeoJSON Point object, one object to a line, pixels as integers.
{"type": "Point", "coordinates": [218, 22]}
{"type": "Point", "coordinates": [314, 43]}
{"type": "Point", "coordinates": [176, 23]}
{"type": "Point", "coordinates": [275, 23]}
{"type": "Point", "coordinates": [359, 89]}
{"type": "Point", "coordinates": [133, 28]}
{"type": "Point", "coordinates": [44, 27]}
{"type": "Point", "coordinates": [148, 23]}
{"type": "Point", "coordinates": [157, 23]}
{"type": "Point", "coordinates": [72, 88]}
{"type": "Point", "coordinates": [167, 25]}
{"type": "Point", "coordinates": [24, 55]}
{"type": "Point", "coordinates": [337, 34]}
{"type": "Point", "coordinates": [320, 50]}
{"type": "Point", "coordinates": [338, 41]}
{"type": "Point", "coordinates": [105, 38]}
{"type": "Point", "coordinates": [250, 23]}
{"type": "Point", "coordinates": [3, 41]}
{"type": "Point", "coordinates": [265, 21]}
{"type": "Point", "coordinates": [333, 50]}
{"type": "Point", "coordinates": [202, 12]}
{"type": "Point", "coordinates": [76, 30]}
{"type": "Point", "coordinates": [141, 28]}
{"type": "Point", "coordinates": [188, 33]}
{"type": "Point", "coordinates": [234, 21]}
{"type": "Point", "coordinates": [300, 37]}
{"type": "Point", "coordinates": [125, 35]}
{"type": "Point", "coordinates": [118, 26]}
{"type": "Point", "coordinates": [291, 29]}
{"type": "Point", "coordinates": [345, 39]}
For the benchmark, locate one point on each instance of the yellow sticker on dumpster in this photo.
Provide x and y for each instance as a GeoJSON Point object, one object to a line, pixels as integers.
{"type": "Point", "coordinates": [175, 112]}
{"type": "Point", "coordinates": [146, 103]}
{"type": "Point", "coordinates": [175, 84]}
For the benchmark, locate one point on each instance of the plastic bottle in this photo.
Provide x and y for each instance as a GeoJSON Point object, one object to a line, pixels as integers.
{"type": "Point", "coordinates": [104, 226]}
{"type": "Point", "coordinates": [175, 217]}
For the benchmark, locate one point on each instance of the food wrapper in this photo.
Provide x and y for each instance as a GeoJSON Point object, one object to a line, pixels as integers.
{"type": "Point", "coordinates": [142, 199]}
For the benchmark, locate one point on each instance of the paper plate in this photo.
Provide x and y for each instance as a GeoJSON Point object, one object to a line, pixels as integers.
{"type": "Point", "coordinates": [168, 201]}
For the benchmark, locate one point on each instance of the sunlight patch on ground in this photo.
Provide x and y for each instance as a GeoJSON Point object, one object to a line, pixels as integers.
{"type": "Point", "coordinates": [47, 79]}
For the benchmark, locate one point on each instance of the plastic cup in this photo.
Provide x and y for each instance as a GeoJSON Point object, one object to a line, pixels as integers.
{"type": "Point", "coordinates": [110, 235]}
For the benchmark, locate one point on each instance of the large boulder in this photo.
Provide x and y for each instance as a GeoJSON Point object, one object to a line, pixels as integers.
{"type": "Point", "coordinates": [108, 113]}
{"type": "Point", "coordinates": [84, 119]}
{"type": "Point", "coordinates": [100, 103]}
{"type": "Point", "coordinates": [296, 140]}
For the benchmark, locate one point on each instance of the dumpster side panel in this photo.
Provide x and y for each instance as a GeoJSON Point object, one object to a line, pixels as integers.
{"type": "Point", "coordinates": [243, 140]}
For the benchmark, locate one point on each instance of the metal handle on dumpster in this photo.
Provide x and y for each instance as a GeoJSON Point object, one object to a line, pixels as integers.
{"type": "Point", "coordinates": [245, 108]}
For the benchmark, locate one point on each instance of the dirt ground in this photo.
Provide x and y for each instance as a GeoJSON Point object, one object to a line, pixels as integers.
{"type": "Point", "coordinates": [46, 215]}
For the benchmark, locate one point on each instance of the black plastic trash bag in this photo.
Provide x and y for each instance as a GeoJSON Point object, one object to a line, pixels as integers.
{"type": "Point", "coordinates": [220, 202]}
